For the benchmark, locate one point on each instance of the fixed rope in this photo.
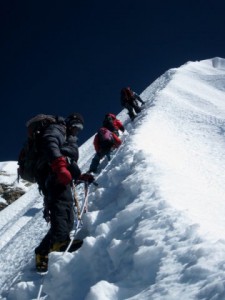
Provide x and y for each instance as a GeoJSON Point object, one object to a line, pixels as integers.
{"type": "Point", "coordinates": [79, 217]}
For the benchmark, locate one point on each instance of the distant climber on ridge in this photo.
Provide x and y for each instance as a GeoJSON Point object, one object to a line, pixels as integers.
{"type": "Point", "coordinates": [129, 99]}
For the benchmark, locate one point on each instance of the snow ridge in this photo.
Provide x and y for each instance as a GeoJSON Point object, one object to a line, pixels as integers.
{"type": "Point", "coordinates": [155, 226]}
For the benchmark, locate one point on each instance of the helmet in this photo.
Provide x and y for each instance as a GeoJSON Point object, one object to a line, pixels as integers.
{"type": "Point", "coordinates": [75, 120]}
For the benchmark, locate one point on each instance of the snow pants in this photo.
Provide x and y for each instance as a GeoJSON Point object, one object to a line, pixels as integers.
{"type": "Point", "coordinates": [59, 201]}
{"type": "Point", "coordinates": [97, 158]}
{"type": "Point", "coordinates": [132, 107]}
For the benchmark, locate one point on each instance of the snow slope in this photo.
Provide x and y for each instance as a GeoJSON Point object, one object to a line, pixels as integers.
{"type": "Point", "coordinates": [154, 229]}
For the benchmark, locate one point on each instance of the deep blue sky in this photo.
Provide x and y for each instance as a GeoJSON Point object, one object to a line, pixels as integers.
{"type": "Point", "coordinates": [57, 57]}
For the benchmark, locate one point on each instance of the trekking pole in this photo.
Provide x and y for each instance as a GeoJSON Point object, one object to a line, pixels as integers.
{"type": "Point", "coordinates": [40, 289]}
{"type": "Point", "coordinates": [84, 207]}
{"type": "Point", "coordinates": [76, 202]}
{"type": "Point", "coordinates": [86, 196]}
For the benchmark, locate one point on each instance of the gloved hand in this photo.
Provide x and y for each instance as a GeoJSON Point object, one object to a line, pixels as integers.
{"type": "Point", "coordinates": [59, 166]}
{"type": "Point", "coordinates": [87, 177]}
{"type": "Point", "coordinates": [117, 144]}
{"type": "Point", "coordinates": [117, 141]}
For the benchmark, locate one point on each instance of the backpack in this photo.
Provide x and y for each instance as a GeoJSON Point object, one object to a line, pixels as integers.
{"type": "Point", "coordinates": [29, 156]}
{"type": "Point", "coordinates": [105, 136]}
{"type": "Point", "coordinates": [127, 93]}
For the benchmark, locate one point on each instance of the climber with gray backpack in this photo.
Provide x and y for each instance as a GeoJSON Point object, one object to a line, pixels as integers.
{"type": "Point", "coordinates": [49, 158]}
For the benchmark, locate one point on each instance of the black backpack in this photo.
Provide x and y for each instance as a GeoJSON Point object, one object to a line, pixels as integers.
{"type": "Point", "coordinates": [29, 156]}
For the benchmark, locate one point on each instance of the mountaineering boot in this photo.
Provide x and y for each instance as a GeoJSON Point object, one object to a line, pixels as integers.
{"type": "Point", "coordinates": [62, 246]}
{"type": "Point", "coordinates": [41, 262]}
{"type": "Point", "coordinates": [131, 115]}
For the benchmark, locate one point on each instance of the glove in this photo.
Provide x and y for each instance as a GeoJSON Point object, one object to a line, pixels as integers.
{"type": "Point", "coordinates": [117, 141]}
{"type": "Point", "coordinates": [59, 166]}
{"type": "Point", "coordinates": [87, 177]}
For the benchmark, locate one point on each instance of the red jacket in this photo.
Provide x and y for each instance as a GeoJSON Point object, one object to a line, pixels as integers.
{"type": "Point", "coordinates": [117, 123]}
{"type": "Point", "coordinates": [97, 145]}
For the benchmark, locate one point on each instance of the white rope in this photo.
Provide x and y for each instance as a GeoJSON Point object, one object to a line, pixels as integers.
{"type": "Point", "coordinates": [79, 219]}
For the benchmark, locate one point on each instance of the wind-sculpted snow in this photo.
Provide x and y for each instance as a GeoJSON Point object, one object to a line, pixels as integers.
{"type": "Point", "coordinates": [219, 63]}
{"type": "Point", "coordinates": [155, 224]}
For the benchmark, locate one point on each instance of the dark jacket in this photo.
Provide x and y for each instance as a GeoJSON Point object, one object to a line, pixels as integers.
{"type": "Point", "coordinates": [70, 148]}
{"type": "Point", "coordinates": [127, 96]}
{"type": "Point", "coordinates": [55, 143]}
{"type": "Point", "coordinates": [51, 142]}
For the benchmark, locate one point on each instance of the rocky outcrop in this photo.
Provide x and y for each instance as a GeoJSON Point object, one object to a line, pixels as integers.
{"type": "Point", "coordinates": [9, 193]}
